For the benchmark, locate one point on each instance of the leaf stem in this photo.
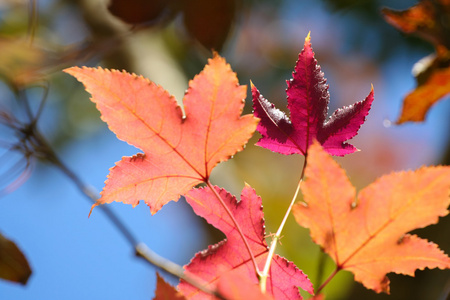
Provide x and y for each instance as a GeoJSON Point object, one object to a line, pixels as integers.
{"type": "Point", "coordinates": [328, 280]}
{"type": "Point", "coordinates": [236, 224]}
{"type": "Point", "coordinates": [141, 249]}
{"type": "Point", "coordinates": [273, 245]}
{"type": "Point", "coordinates": [321, 266]}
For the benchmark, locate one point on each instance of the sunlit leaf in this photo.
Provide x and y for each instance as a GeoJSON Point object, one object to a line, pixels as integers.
{"type": "Point", "coordinates": [179, 152]}
{"type": "Point", "coordinates": [368, 234]}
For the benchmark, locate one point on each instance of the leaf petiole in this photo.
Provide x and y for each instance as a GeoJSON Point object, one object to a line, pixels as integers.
{"type": "Point", "coordinates": [328, 280]}
{"type": "Point", "coordinates": [236, 224]}
{"type": "Point", "coordinates": [273, 244]}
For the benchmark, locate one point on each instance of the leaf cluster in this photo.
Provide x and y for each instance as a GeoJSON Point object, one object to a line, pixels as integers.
{"type": "Point", "coordinates": [365, 234]}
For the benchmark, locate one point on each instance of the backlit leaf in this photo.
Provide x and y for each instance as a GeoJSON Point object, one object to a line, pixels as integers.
{"type": "Point", "coordinates": [230, 255]}
{"type": "Point", "coordinates": [308, 99]}
{"type": "Point", "coordinates": [368, 234]}
{"type": "Point", "coordinates": [165, 291]}
{"type": "Point", "coordinates": [179, 152]}
{"type": "Point", "coordinates": [233, 285]}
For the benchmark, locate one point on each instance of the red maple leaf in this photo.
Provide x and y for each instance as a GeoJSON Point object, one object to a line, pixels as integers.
{"type": "Point", "coordinates": [230, 255]}
{"type": "Point", "coordinates": [232, 285]}
{"type": "Point", "coordinates": [308, 99]}
{"type": "Point", "coordinates": [367, 235]}
{"type": "Point", "coordinates": [179, 151]}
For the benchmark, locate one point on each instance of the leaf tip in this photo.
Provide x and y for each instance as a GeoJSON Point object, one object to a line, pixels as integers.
{"type": "Point", "coordinates": [71, 70]}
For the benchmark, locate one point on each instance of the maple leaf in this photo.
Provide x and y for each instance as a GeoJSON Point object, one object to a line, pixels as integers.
{"type": "Point", "coordinates": [367, 235]}
{"type": "Point", "coordinates": [232, 285]}
{"type": "Point", "coordinates": [165, 291]}
{"type": "Point", "coordinates": [230, 255]}
{"type": "Point", "coordinates": [417, 103]}
{"type": "Point", "coordinates": [179, 152]}
{"type": "Point", "coordinates": [426, 19]}
{"type": "Point", "coordinates": [308, 98]}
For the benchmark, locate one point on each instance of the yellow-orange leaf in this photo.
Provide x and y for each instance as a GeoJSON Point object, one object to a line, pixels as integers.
{"type": "Point", "coordinates": [367, 235]}
{"type": "Point", "coordinates": [426, 19]}
{"type": "Point", "coordinates": [418, 102]}
{"type": "Point", "coordinates": [179, 152]}
{"type": "Point", "coordinates": [165, 291]}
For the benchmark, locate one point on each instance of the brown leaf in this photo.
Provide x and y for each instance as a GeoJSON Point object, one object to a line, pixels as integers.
{"type": "Point", "coordinates": [209, 21]}
{"type": "Point", "coordinates": [13, 264]}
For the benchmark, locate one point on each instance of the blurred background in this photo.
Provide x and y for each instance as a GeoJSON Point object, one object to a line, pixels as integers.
{"type": "Point", "coordinates": [43, 212]}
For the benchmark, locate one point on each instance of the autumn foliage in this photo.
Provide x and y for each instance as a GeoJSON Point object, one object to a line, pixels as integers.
{"type": "Point", "coordinates": [428, 20]}
{"type": "Point", "coordinates": [308, 99]}
{"type": "Point", "coordinates": [365, 234]}
{"type": "Point", "coordinates": [148, 117]}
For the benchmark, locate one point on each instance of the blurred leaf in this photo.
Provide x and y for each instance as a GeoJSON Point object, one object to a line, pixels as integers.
{"type": "Point", "coordinates": [13, 264]}
{"type": "Point", "coordinates": [209, 21]}
{"type": "Point", "coordinates": [429, 20]}
{"type": "Point", "coordinates": [139, 11]}
{"type": "Point", "coordinates": [417, 103]}
{"type": "Point", "coordinates": [19, 62]}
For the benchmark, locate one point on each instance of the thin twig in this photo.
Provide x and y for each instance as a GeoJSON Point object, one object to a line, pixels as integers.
{"type": "Point", "coordinates": [35, 142]}
{"type": "Point", "coordinates": [273, 245]}
{"type": "Point", "coordinates": [141, 249]}
{"type": "Point", "coordinates": [168, 266]}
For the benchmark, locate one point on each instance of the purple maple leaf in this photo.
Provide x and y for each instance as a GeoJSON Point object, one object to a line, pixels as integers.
{"type": "Point", "coordinates": [308, 98]}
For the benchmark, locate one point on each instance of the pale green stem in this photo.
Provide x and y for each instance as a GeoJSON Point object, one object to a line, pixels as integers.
{"type": "Point", "coordinates": [273, 245]}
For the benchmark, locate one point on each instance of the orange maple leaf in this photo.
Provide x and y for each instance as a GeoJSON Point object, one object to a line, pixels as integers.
{"type": "Point", "coordinates": [233, 285]}
{"type": "Point", "coordinates": [417, 103]}
{"type": "Point", "coordinates": [367, 235]}
{"type": "Point", "coordinates": [179, 151]}
{"type": "Point", "coordinates": [165, 291]}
